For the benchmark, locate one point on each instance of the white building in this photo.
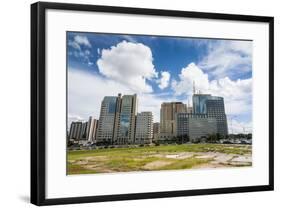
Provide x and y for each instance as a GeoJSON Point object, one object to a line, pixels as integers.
{"type": "Point", "coordinates": [92, 129]}
{"type": "Point", "coordinates": [144, 128]}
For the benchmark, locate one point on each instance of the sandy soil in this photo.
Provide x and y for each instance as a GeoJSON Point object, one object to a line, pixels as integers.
{"type": "Point", "coordinates": [156, 164]}
{"type": "Point", "coordinates": [224, 160]}
{"type": "Point", "coordinates": [182, 155]}
{"type": "Point", "coordinates": [217, 160]}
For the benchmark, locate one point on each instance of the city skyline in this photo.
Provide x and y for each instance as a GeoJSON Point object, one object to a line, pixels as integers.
{"type": "Point", "coordinates": [158, 69]}
{"type": "Point", "coordinates": [120, 123]}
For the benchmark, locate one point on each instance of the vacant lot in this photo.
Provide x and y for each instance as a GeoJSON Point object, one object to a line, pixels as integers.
{"type": "Point", "coordinates": [166, 157]}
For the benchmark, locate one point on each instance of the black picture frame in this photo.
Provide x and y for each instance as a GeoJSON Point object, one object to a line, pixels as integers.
{"type": "Point", "coordinates": [38, 102]}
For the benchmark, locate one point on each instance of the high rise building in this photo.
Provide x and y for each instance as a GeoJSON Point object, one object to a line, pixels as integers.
{"type": "Point", "coordinates": [156, 130]}
{"type": "Point", "coordinates": [201, 126]}
{"type": "Point", "coordinates": [127, 119]}
{"type": "Point", "coordinates": [92, 129]}
{"type": "Point", "coordinates": [105, 131]}
{"type": "Point", "coordinates": [71, 131]}
{"type": "Point", "coordinates": [168, 115]}
{"type": "Point", "coordinates": [144, 128]}
{"type": "Point", "coordinates": [195, 126]}
{"type": "Point", "coordinates": [214, 107]}
{"type": "Point", "coordinates": [199, 103]}
{"type": "Point", "coordinates": [182, 124]}
{"type": "Point", "coordinates": [84, 130]}
{"type": "Point", "coordinates": [78, 130]}
{"type": "Point", "coordinates": [75, 130]}
{"type": "Point", "coordinates": [117, 120]}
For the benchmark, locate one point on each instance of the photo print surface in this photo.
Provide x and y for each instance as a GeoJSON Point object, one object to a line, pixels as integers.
{"type": "Point", "coordinates": [152, 103]}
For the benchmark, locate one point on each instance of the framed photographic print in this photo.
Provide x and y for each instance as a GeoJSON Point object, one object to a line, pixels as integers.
{"type": "Point", "coordinates": [134, 103]}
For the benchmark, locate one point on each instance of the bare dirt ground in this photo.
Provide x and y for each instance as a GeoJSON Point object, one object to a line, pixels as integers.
{"type": "Point", "coordinates": [224, 160]}
{"type": "Point", "coordinates": [173, 157]}
{"type": "Point", "coordinates": [217, 160]}
{"type": "Point", "coordinates": [156, 164]}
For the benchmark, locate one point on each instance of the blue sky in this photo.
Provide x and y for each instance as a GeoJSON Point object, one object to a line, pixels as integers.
{"type": "Point", "coordinates": [159, 69]}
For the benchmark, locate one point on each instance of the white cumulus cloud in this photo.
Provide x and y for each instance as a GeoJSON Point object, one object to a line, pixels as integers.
{"type": "Point", "coordinates": [128, 63]}
{"type": "Point", "coordinates": [189, 74]}
{"type": "Point", "coordinates": [79, 52]}
{"type": "Point", "coordinates": [164, 80]}
{"type": "Point", "coordinates": [82, 40]}
{"type": "Point", "coordinates": [224, 57]}
{"type": "Point", "coordinates": [237, 94]}
{"type": "Point", "coordinates": [86, 91]}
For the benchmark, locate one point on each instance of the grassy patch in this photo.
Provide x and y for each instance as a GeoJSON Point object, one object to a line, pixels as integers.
{"type": "Point", "coordinates": [185, 164]}
{"type": "Point", "coordinates": [146, 158]}
{"type": "Point", "coordinates": [78, 169]}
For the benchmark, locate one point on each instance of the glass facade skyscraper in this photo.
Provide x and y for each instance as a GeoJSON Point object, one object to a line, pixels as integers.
{"type": "Point", "coordinates": [127, 119]}
{"type": "Point", "coordinates": [215, 109]}
{"type": "Point", "coordinates": [195, 126]}
{"type": "Point", "coordinates": [117, 120]}
{"type": "Point", "coordinates": [107, 119]}
{"type": "Point", "coordinates": [213, 106]}
{"type": "Point", "coordinates": [199, 103]}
